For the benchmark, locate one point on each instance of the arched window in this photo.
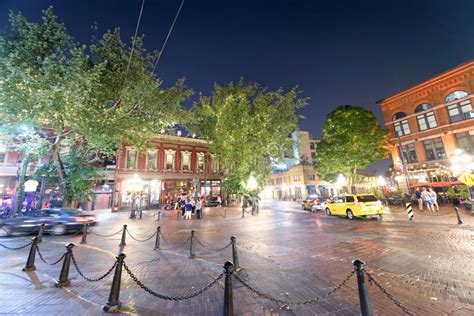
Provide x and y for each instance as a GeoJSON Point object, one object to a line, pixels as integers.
{"type": "Point", "coordinates": [398, 116]}
{"type": "Point", "coordinates": [423, 107]}
{"type": "Point", "coordinates": [426, 120]}
{"type": "Point", "coordinates": [455, 95]}
{"type": "Point", "coordinates": [401, 127]}
{"type": "Point", "coordinates": [461, 110]}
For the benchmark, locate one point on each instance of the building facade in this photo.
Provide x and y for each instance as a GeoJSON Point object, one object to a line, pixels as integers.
{"type": "Point", "coordinates": [171, 167]}
{"type": "Point", "coordinates": [428, 122]}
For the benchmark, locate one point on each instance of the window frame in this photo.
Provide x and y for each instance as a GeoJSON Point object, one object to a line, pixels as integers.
{"type": "Point", "coordinates": [127, 156]}
{"type": "Point", "coordinates": [188, 164]}
{"type": "Point", "coordinates": [461, 115]}
{"type": "Point", "coordinates": [469, 136]}
{"type": "Point", "coordinates": [436, 149]}
{"type": "Point", "coordinates": [200, 155]}
{"type": "Point", "coordinates": [155, 152]}
{"type": "Point", "coordinates": [403, 126]}
{"type": "Point", "coordinates": [173, 164]}
{"type": "Point", "coordinates": [425, 120]}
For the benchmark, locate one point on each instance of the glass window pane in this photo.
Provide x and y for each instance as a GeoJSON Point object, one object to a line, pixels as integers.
{"type": "Point", "coordinates": [406, 128]}
{"type": "Point", "coordinates": [430, 154]}
{"type": "Point", "coordinates": [131, 159]}
{"type": "Point", "coordinates": [151, 160]}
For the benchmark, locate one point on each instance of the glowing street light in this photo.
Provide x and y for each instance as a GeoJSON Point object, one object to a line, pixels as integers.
{"type": "Point", "coordinates": [461, 162]}
{"type": "Point", "coordinates": [252, 183]}
{"type": "Point", "coordinates": [381, 181]}
{"type": "Point", "coordinates": [341, 181]}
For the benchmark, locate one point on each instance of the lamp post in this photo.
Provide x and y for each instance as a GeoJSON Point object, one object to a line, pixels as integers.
{"type": "Point", "coordinates": [341, 181]}
{"type": "Point", "coordinates": [381, 182]}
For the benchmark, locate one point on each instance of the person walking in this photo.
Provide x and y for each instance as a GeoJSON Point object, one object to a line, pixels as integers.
{"type": "Point", "coordinates": [219, 201]}
{"type": "Point", "coordinates": [419, 199]}
{"type": "Point", "coordinates": [188, 208]}
{"type": "Point", "coordinates": [426, 197]}
{"type": "Point", "coordinates": [434, 200]}
{"type": "Point", "coordinates": [198, 209]}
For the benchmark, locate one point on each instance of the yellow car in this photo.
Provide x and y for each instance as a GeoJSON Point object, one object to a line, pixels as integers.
{"type": "Point", "coordinates": [355, 205]}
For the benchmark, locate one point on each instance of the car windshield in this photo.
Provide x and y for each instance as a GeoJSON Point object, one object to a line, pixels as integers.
{"type": "Point", "coordinates": [366, 198]}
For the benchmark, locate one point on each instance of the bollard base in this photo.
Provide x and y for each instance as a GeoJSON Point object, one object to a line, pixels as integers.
{"type": "Point", "coordinates": [122, 245]}
{"type": "Point", "coordinates": [62, 284]}
{"type": "Point", "coordinates": [108, 308]}
{"type": "Point", "coordinates": [192, 257]}
{"type": "Point", "coordinates": [28, 269]}
{"type": "Point", "coordinates": [83, 242]}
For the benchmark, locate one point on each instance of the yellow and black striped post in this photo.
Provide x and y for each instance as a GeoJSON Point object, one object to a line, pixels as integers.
{"type": "Point", "coordinates": [409, 211]}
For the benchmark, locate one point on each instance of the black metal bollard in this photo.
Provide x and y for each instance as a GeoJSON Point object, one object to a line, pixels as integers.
{"type": "Point", "coordinates": [113, 303]}
{"type": "Point", "coordinates": [365, 308]}
{"type": "Point", "coordinates": [30, 263]}
{"type": "Point", "coordinates": [243, 211]}
{"type": "Point", "coordinates": [178, 214]}
{"type": "Point", "coordinates": [64, 275]}
{"type": "Point", "coordinates": [157, 240]}
{"type": "Point", "coordinates": [159, 215]}
{"type": "Point", "coordinates": [40, 233]}
{"type": "Point", "coordinates": [460, 221]}
{"type": "Point", "coordinates": [191, 254]}
{"type": "Point", "coordinates": [124, 235]}
{"type": "Point", "coordinates": [235, 256]}
{"type": "Point", "coordinates": [84, 234]}
{"type": "Point", "coordinates": [228, 298]}
{"type": "Point", "coordinates": [225, 213]}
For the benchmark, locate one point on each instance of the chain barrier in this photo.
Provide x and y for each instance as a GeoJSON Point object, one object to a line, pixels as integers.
{"type": "Point", "coordinates": [210, 247]}
{"type": "Point", "coordinates": [179, 244]}
{"type": "Point", "coordinates": [172, 298]}
{"type": "Point", "coordinates": [47, 262]}
{"type": "Point", "coordinates": [287, 303]}
{"type": "Point", "coordinates": [141, 240]}
{"type": "Point", "coordinates": [105, 236]}
{"type": "Point", "coordinates": [15, 248]}
{"type": "Point", "coordinates": [434, 214]}
{"type": "Point", "coordinates": [389, 296]}
{"type": "Point", "coordinates": [91, 279]}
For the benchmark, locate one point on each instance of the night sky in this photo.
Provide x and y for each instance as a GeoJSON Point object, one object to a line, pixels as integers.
{"type": "Point", "coordinates": [337, 52]}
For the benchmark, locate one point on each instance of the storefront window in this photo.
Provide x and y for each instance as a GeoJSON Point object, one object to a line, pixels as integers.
{"type": "Point", "coordinates": [434, 149]}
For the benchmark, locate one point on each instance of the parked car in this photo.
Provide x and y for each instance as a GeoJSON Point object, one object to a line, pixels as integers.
{"type": "Point", "coordinates": [211, 202]}
{"type": "Point", "coordinates": [313, 204]}
{"type": "Point", "coordinates": [57, 221]}
{"type": "Point", "coordinates": [355, 205]}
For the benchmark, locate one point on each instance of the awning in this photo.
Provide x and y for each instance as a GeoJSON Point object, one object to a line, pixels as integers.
{"type": "Point", "coordinates": [437, 184]}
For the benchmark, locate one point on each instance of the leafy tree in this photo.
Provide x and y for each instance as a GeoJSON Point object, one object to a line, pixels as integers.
{"type": "Point", "coordinates": [99, 100]}
{"type": "Point", "coordinates": [246, 124]}
{"type": "Point", "coordinates": [351, 140]}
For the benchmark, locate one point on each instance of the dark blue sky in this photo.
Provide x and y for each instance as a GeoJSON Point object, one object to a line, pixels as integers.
{"type": "Point", "coordinates": [338, 52]}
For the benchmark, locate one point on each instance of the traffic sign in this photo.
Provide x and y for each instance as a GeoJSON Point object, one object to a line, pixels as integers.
{"type": "Point", "coordinates": [467, 179]}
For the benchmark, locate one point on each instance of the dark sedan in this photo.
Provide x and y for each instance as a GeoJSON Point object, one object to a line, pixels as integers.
{"type": "Point", "coordinates": [57, 221]}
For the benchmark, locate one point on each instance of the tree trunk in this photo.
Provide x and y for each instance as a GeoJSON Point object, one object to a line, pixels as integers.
{"type": "Point", "coordinates": [21, 184]}
{"type": "Point", "coordinates": [57, 158]}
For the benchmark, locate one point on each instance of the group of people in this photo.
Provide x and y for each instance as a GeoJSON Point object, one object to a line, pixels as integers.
{"type": "Point", "coordinates": [427, 198]}
{"type": "Point", "coordinates": [189, 206]}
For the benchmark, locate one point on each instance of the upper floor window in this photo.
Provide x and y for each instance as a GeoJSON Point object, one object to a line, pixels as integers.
{"type": "Point", "coordinates": [185, 160]}
{"type": "Point", "coordinates": [434, 149]}
{"type": "Point", "coordinates": [401, 127]}
{"type": "Point", "coordinates": [426, 121]}
{"type": "Point", "coordinates": [423, 107]}
{"type": "Point", "coordinates": [151, 159]}
{"type": "Point", "coordinates": [3, 151]}
{"type": "Point", "coordinates": [169, 159]}
{"type": "Point", "coordinates": [296, 177]}
{"type": "Point", "coordinates": [465, 141]}
{"type": "Point", "coordinates": [214, 166]}
{"type": "Point", "coordinates": [131, 160]}
{"type": "Point", "coordinates": [409, 153]}
{"type": "Point", "coordinates": [311, 177]}
{"type": "Point", "coordinates": [461, 110]}
{"type": "Point", "coordinates": [200, 161]}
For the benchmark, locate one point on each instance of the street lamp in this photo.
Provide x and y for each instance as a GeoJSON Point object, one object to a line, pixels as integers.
{"type": "Point", "coordinates": [341, 181]}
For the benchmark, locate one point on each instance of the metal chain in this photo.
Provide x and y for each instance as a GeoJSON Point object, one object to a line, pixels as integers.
{"type": "Point", "coordinates": [172, 298]}
{"type": "Point", "coordinates": [179, 244]}
{"type": "Point", "coordinates": [15, 248]}
{"type": "Point", "coordinates": [390, 296]}
{"type": "Point", "coordinates": [435, 214]}
{"type": "Point", "coordinates": [50, 263]}
{"type": "Point", "coordinates": [280, 301]}
{"type": "Point", "coordinates": [210, 247]}
{"type": "Point", "coordinates": [141, 240]}
{"type": "Point", "coordinates": [90, 231]}
{"type": "Point", "coordinates": [91, 279]}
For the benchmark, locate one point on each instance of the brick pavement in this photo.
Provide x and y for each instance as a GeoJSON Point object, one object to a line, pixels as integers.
{"type": "Point", "coordinates": [292, 254]}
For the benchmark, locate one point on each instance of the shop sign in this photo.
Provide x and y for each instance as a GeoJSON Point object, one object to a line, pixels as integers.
{"type": "Point", "coordinates": [31, 185]}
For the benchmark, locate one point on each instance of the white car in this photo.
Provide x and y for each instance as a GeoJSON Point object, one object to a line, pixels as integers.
{"type": "Point", "coordinates": [318, 206]}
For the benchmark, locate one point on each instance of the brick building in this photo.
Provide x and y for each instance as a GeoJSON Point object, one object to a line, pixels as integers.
{"type": "Point", "coordinates": [170, 167]}
{"type": "Point", "coordinates": [432, 119]}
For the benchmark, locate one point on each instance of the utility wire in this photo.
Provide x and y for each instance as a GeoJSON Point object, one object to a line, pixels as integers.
{"type": "Point", "coordinates": [167, 36]}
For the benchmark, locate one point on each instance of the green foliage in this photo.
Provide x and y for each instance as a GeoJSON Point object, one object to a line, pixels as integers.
{"type": "Point", "coordinates": [457, 191]}
{"type": "Point", "coordinates": [351, 140]}
{"type": "Point", "coordinates": [98, 100]}
{"type": "Point", "coordinates": [246, 125]}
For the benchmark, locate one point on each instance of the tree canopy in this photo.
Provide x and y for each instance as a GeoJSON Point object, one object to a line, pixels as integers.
{"type": "Point", "coordinates": [98, 96]}
{"type": "Point", "coordinates": [246, 125]}
{"type": "Point", "coordinates": [351, 140]}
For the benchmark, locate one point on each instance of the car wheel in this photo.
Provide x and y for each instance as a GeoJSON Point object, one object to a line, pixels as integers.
{"type": "Point", "coordinates": [5, 231]}
{"type": "Point", "coordinates": [350, 215]}
{"type": "Point", "coordinates": [328, 211]}
{"type": "Point", "coordinates": [59, 229]}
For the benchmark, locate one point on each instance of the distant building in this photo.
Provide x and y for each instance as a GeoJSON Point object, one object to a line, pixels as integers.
{"type": "Point", "coordinates": [295, 178]}
{"type": "Point", "coordinates": [432, 119]}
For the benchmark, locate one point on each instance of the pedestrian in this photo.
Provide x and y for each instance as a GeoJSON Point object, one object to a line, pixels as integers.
{"type": "Point", "coordinates": [198, 209]}
{"type": "Point", "coordinates": [434, 200]}
{"type": "Point", "coordinates": [188, 208]}
{"type": "Point", "coordinates": [193, 203]}
{"type": "Point", "coordinates": [219, 201]}
{"type": "Point", "coordinates": [419, 199]}
{"type": "Point", "coordinates": [426, 197]}
{"type": "Point", "coordinates": [182, 204]}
